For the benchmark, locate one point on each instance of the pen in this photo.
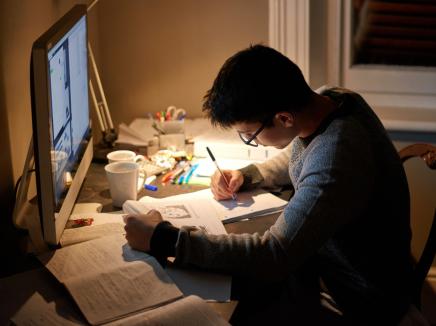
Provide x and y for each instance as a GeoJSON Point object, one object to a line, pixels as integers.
{"type": "Point", "coordinates": [218, 168]}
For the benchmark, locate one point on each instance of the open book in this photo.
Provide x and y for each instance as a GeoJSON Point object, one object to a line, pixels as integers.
{"type": "Point", "coordinates": [248, 204]}
{"type": "Point", "coordinates": [110, 282]}
{"type": "Point", "coordinates": [190, 310]}
{"type": "Point", "coordinates": [209, 286]}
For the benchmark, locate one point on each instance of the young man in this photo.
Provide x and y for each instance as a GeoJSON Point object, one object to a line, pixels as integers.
{"type": "Point", "coordinates": [347, 223]}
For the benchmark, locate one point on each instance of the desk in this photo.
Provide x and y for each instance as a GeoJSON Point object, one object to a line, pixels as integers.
{"type": "Point", "coordinates": [15, 290]}
{"type": "Point", "coordinates": [96, 189]}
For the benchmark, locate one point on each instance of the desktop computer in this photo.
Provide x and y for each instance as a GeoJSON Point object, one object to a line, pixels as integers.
{"type": "Point", "coordinates": [61, 148]}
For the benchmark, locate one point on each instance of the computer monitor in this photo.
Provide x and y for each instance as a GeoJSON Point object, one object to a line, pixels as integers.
{"type": "Point", "coordinates": [60, 119]}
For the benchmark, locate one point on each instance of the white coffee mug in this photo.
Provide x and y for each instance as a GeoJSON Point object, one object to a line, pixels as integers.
{"type": "Point", "coordinates": [124, 156]}
{"type": "Point", "coordinates": [125, 181]}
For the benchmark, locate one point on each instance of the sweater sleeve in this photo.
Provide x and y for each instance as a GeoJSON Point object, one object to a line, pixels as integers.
{"type": "Point", "coordinates": [269, 174]}
{"type": "Point", "coordinates": [328, 176]}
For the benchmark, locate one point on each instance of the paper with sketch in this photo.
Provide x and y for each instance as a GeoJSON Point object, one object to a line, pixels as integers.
{"type": "Point", "coordinates": [248, 204]}
{"type": "Point", "coordinates": [187, 311]}
{"type": "Point", "coordinates": [103, 224]}
{"type": "Point", "coordinates": [108, 280]}
{"type": "Point", "coordinates": [179, 214]}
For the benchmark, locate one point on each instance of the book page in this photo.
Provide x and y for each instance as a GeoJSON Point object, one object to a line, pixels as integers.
{"type": "Point", "coordinates": [187, 311]}
{"type": "Point", "coordinates": [103, 224]}
{"type": "Point", "coordinates": [108, 279]}
{"type": "Point", "coordinates": [121, 292]}
{"type": "Point", "coordinates": [37, 312]}
{"type": "Point", "coordinates": [86, 233]}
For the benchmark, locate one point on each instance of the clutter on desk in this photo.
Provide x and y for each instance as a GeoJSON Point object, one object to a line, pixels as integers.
{"type": "Point", "coordinates": [198, 133]}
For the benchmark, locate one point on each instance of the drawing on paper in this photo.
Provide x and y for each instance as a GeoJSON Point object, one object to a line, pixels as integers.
{"type": "Point", "coordinates": [174, 211]}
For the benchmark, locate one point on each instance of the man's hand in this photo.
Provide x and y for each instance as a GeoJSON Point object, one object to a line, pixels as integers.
{"type": "Point", "coordinates": [219, 186]}
{"type": "Point", "coordinates": [139, 229]}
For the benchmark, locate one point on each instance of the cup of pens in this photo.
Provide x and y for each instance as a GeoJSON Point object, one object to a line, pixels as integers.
{"type": "Point", "coordinates": [172, 127]}
{"type": "Point", "coordinates": [170, 121]}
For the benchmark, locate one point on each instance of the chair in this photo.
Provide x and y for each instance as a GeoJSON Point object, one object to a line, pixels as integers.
{"type": "Point", "coordinates": [428, 154]}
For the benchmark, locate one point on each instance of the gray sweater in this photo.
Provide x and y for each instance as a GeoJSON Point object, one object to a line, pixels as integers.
{"type": "Point", "coordinates": [349, 213]}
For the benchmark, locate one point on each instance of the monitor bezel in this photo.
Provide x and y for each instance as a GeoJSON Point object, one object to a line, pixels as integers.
{"type": "Point", "coordinates": [53, 222]}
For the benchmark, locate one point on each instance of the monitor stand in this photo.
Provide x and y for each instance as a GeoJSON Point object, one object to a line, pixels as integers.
{"type": "Point", "coordinates": [26, 213]}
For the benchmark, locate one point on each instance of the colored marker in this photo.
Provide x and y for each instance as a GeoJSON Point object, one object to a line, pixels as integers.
{"type": "Point", "coordinates": [150, 187]}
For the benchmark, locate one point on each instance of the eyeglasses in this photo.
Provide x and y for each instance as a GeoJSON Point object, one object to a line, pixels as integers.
{"type": "Point", "coordinates": [251, 140]}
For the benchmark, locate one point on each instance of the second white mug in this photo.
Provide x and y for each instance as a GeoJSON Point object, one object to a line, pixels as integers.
{"type": "Point", "coordinates": [124, 181]}
{"type": "Point", "coordinates": [124, 156]}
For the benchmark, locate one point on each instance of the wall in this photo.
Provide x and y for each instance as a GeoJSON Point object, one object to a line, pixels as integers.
{"type": "Point", "coordinates": [161, 53]}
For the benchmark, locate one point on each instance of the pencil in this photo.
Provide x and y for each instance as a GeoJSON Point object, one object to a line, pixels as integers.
{"type": "Point", "coordinates": [218, 168]}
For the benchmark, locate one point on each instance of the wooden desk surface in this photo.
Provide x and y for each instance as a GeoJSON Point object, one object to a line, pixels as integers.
{"type": "Point", "coordinates": [15, 290]}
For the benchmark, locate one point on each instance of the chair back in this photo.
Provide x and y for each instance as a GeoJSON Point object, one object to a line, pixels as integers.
{"type": "Point", "coordinates": [428, 154]}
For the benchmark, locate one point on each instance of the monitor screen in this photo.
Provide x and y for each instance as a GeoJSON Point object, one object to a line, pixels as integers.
{"type": "Point", "coordinates": [60, 119]}
{"type": "Point", "coordinates": [68, 84]}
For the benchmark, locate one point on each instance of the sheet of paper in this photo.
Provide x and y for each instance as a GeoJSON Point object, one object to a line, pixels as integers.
{"type": "Point", "coordinates": [248, 204]}
{"type": "Point", "coordinates": [108, 279]}
{"type": "Point", "coordinates": [103, 224]}
{"type": "Point", "coordinates": [86, 233]}
{"type": "Point", "coordinates": [187, 311]}
{"type": "Point", "coordinates": [180, 214]}
{"type": "Point", "coordinates": [100, 218]}
{"type": "Point", "coordinates": [128, 135]}
{"type": "Point", "coordinates": [207, 168]}
{"type": "Point", "coordinates": [37, 312]}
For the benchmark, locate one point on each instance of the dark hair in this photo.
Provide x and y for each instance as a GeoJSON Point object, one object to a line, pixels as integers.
{"type": "Point", "coordinates": [253, 85]}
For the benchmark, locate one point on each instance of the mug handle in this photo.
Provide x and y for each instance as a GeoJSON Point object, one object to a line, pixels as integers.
{"type": "Point", "coordinates": [140, 158]}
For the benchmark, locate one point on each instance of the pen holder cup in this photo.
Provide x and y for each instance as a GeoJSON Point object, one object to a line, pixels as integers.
{"type": "Point", "coordinates": [172, 127]}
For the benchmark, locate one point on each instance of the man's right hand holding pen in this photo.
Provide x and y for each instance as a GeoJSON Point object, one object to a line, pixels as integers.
{"type": "Point", "coordinates": [219, 186]}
